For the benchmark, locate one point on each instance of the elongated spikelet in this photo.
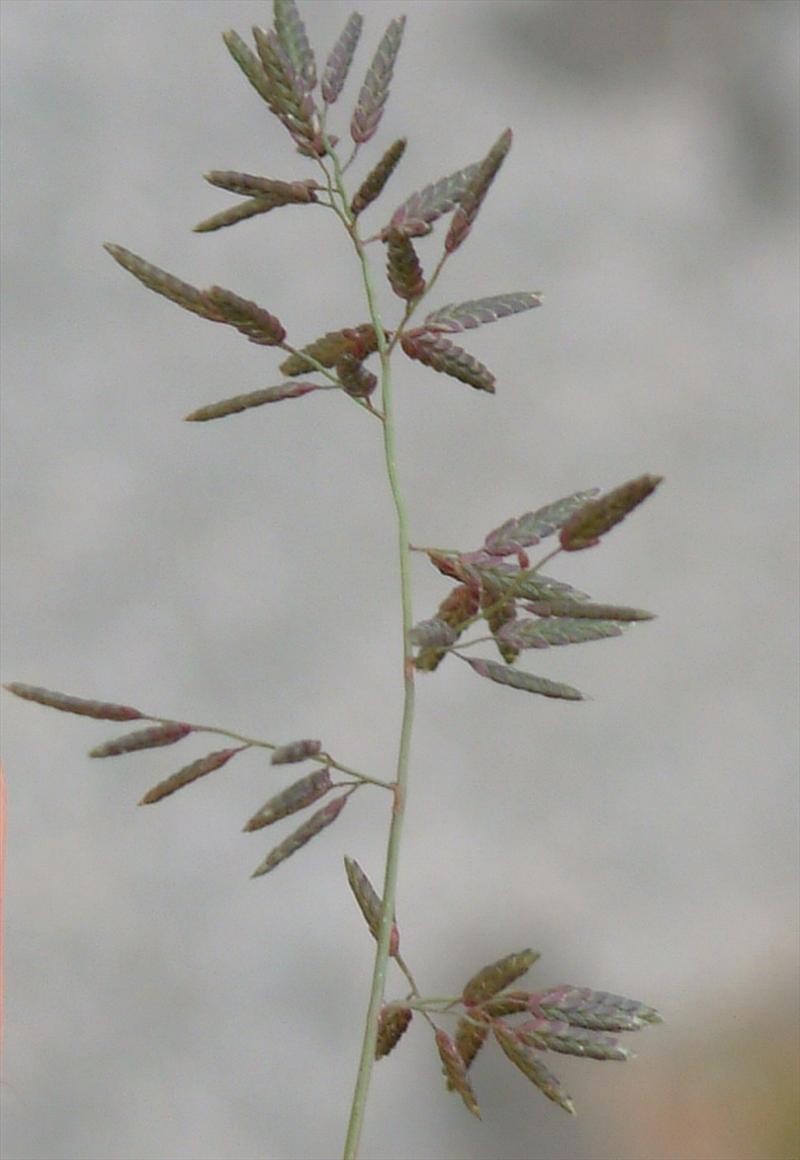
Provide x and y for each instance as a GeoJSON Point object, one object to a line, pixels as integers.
{"type": "Point", "coordinates": [555, 631]}
{"type": "Point", "coordinates": [467, 315]}
{"type": "Point", "coordinates": [190, 773]}
{"type": "Point", "coordinates": [375, 90]}
{"type": "Point", "coordinates": [594, 519]}
{"type": "Point", "coordinates": [288, 98]}
{"type": "Point", "coordinates": [258, 324]}
{"type": "Point", "coordinates": [467, 209]}
{"type": "Point", "coordinates": [252, 399]}
{"type": "Point", "coordinates": [298, 838]}
{"type": "Point", "coordinates": [166, 734]}
{"type": "Point", "coordinates": [373, 184]}
{"type": "Point", "coordinates": [369, 903]}
{"type": "Point", "coordinates": [418, 212]}
{"type": "Point", "coordinates": [575, 609]}
{"type": "Point", "coordinates": [455, 1071]}
{"type": "Point", "coordinates": [440, 354]}
{"type": "Point", "coordinates": [338, 63]}
{"type": "Point", "coordinates": [294, 41]}
{"type": "Point", "coordinates": [302, 793]}
{"type": "Point", "coordinates": [235, 213]}
{"type": "Point", "coordinates": [596, 1010]}
{"type": "Point", "coordinates": [250, 65]}
{"type": "Point", "coordinates": [558, 1036]}
{"type": "Point", "coordinates": [181, 293]}
{"type": "Point", "coordinates": [524, 1059]}
{"type": "Point", "coordinates": [498, 975]}
{"type": "Point", "coordinates": [521, 680]}
{"type": "Point", "coordinates": [101, 710]}
{"type": "Point", "coordinates": [530, 529]}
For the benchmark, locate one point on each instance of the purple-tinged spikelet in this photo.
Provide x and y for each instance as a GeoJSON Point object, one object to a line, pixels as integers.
{"type": "Point", "coordinates": [190, 773]}
{"type": "Point", "coordinates": [102, 710]}
{"type": "Point", "coordinates": [166, 734]}
{"type": "Point", "coordinates": [594, 519]}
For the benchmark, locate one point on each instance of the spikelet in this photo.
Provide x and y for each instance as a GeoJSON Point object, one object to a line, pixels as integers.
{"type": "Point", "coordinates": [358, 341]}
{"type": "Point", "coordinates": [298, 838]}
{"type": "Point", "coordinates": [252, 399]}
{"type": "Point", "coordinates": [433, 632]}
{"type": "Point", "coordinates": [576, 609]}
{"type": "Point", "coordinates": [181, 293]}
{"type": "Point", "coordinates": [373, 184]}
{"type": "Point", "coordinates": [440, 354]}
{"type": "Point", "coordinates": [288, 98]}
{"type": "Point", "coordinates": [500, 618]}
{"type": "Point", "coordinates": [166, 734]}
{"type": "Point", "coordinates": [356, 380]}
{"type": "Point", "coordinates": [470, 1038]}
{"type": "Point", "coordinates": [498, 975]}
{"type": "Point", "coordinates": [594, 519]}
{"type": "Point", "coordinates": [369, 903]}
{"type": "Point", "coordinates": [189, 774]}
{"type": "Point", "coordinates": [530, 529]}
{"type": "Point", "coordinates": [250, 65]}
{"type": "Point", "coordinates": [553, 1035]}
{"type": "Point", "coordinates": [340, 59]}
{"type": "Point", "coordinates": [295, 797]}
{"type": "Point", "coordinates": [268, 188]}
{"type": "Point", "coordinates": [416, 215]}
{"type": "Point", "coordinates": [469, 204]}
{"type": "Point", "coordinates": [235, 213]}
{"type": "Point", "coordinates": [392, 1025]}
{"type": "Point", "coordinates": [294, 41]}
{"type": "Point", "coordinates": [375, 90]}
{"type": "Point", "coordinates": [467, 315]}
{"type": "Point", "coordinates": [506, 1003]}
{"type": "Point", "coordinates": [531, 1068]}
{"type": "Point", "coordinates": [527, 633]}
{"type": "Point", "coordinates": [455, 1071]}
{"type": "Point", "coordinates": [520, 680]}
{"type": "Point", "coordinates": [403, 267]}
{"type": "Point", "coordinates": [295, 751]}
{"type": "Point", "coordinates": [101, 710]}
{"type": "Point", "coordinates": [455, 610]}
{"type": "Point", "coordinates": [250, 319]}
{"type": "Point", "coordinates": [596, 1010]}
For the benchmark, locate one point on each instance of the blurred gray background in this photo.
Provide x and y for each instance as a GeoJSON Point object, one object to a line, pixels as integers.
{"type": "Point", "coordinates": [158, 1003]}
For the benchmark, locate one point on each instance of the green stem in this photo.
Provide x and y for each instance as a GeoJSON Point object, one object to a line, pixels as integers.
{"type": "Point", "coordinates": [359, 1102]}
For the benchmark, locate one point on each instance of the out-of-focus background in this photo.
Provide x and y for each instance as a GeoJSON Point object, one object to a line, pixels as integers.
{"type": "Point", "coordinates": [158, 1003]}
